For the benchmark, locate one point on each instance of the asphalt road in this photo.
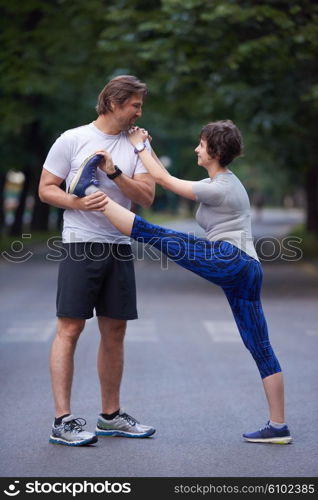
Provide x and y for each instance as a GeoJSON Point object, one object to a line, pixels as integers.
{"type": "Point", "coordinates": [186, 372]}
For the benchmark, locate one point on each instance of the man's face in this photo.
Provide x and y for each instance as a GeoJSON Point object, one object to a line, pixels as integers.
{"type": "Point", "coordinates": [127, 113]}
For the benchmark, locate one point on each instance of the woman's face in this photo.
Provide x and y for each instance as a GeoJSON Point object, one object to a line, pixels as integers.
{"type": "Point", "coordinates": [203, 157]}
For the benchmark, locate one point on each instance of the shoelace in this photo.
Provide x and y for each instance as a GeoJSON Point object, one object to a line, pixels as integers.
{"type": "Point", "coordinates": [267, 426]}
{"type": "Point", "coordinates": [75, 425]}
{"type": "Point", "coordinates": [93, 174]}
{"type": "Point", "coordinates": [131, 420]}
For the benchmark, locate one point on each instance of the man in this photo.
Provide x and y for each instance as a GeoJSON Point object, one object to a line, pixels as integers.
{"type": "Point", "coordinates": [98, 271]}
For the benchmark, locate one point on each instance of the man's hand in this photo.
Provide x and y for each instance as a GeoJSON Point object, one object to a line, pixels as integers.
{"type": "Point", "coordinates": [95, 201]}
{"type": "Point", "coordinates": [106, 164]}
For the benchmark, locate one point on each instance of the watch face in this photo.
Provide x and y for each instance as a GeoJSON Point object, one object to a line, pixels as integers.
{"type": "Point", "coordinates": [140, 147]}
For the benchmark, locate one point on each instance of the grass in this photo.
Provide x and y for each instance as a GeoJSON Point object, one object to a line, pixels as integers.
{"type": "Point", "coordinates": [309, 244]}
{"type": "Point", "coordinates": [38, 237]}
{"type": "Point", "coordinates": [14, 242]}
{"type": "Point", "coordinates": [160, 217]}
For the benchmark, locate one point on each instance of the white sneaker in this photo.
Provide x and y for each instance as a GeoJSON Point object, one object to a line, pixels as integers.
{"type": "Point", "coordinates": [70, 432]}
{"type": "Point", "coordinates": [123, 425]}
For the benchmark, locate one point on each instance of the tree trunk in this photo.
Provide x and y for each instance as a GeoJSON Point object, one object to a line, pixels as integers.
{"type": "Point", "coordinates": [17, 227]}
{"type": "Point", "coordinates": [311, 186]}
{"type": "Point", "coordinates": [2, 215]}
{"type": "Point", "coordinates": [59, 220]}
{"type": "Point", "coordinates": [40, 215]}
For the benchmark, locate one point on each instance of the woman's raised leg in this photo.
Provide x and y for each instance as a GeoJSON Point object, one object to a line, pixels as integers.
{"type": "Point", "coordinates": [119, 216]}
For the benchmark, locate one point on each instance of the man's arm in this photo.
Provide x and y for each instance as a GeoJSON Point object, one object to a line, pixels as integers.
{"type": "Point", "coordinates": [140, 189]}
{"type": "Point", "coordinates": [51, 193]}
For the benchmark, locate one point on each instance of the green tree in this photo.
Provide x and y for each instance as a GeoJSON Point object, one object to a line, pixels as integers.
{"type": "Point", "coordinates": [47, 78]}
{"type": "Point", "coordinates": [253, 62]}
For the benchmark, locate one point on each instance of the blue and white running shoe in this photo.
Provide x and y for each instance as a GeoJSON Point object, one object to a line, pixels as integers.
{"type": "Point", "coordinates": [86, 176]}
{"type": "Point", "coordinates": [70, 432]}
{"type": "Point", "coordinates": [270, 434]}
{"type": "Point", "coordinates": [123, 425]}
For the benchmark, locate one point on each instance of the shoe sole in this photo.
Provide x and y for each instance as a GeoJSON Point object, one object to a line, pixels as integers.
{"type": "Point", "coordinates": [100, 432]}
{"type": "Point", "coordinates": [83, 442]}
{"type": "Point", "coordinates": [78, 174]}
{"type": "Point", "coordinates": [281, 440]}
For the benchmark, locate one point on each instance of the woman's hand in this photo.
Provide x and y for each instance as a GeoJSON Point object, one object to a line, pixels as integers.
{"type": "Point", "coordinates": [106, 164]}
{"type": "Point", "coordinates": [137, 135]}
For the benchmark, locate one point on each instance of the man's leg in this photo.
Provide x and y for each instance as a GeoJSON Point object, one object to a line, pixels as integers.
{"type": "Point", "coordinates": [79, 281]}
{"type": "Point", "coordinates": [110, 361]}
{"type": "Point", "coordinates": [112, 421]}
{"type": "Point", "coordinates": [66, 430]}
{"type": "Point", "coordinates": [62, 362]}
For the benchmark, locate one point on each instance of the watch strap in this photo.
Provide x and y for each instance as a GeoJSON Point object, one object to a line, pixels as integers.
{"type": "Point", "coordinates": [114, 174]}
{"type": "Point", "coordinates": [139, 148]}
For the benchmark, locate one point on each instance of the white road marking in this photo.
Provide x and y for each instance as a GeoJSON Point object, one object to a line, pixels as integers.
{"type": "Point", "coordinates": [312, 332]}
{"type": "Point", "coordinates": [36, 331]}
{"type": "Point", "coordinates": [141, 330]}
{"type": "Point", "coordinates": [222, 331]}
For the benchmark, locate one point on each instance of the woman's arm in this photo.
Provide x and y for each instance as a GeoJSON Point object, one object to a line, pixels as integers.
{"type": "Point", "coordinates": [162, 177]}
{"type": "Point", "coordinates": [152, 163]}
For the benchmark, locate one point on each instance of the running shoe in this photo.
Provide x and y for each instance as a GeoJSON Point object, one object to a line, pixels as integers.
{"type": "Point", "coordinates": [70, 432]}
{"type": "Point", "coordinates": [86, 176]}
{"type": "Point", "coordinates": [270, 434]}
{"type": "Point", "coordinates": [123, 425]}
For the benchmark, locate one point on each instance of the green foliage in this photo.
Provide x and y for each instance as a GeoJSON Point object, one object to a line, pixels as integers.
{"type": "Point", "coordinates": [48, 72]}
{"type": "Point", "coordinates": [309, 242]}
{"type": "Point", "coordinates": [203, 60]}
{"type": "Point", "coordinates": [37, 239]}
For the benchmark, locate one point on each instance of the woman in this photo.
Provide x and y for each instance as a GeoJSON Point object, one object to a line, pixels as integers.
{"type": "Point", "coordinates": [226, 257]}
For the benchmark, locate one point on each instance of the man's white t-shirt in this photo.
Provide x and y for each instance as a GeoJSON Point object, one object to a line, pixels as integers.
{"type": "Point", "coordinates": [64, 159]}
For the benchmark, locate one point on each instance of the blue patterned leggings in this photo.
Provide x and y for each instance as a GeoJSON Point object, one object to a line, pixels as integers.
{"type": "Point", "coordinates": [238, 274]}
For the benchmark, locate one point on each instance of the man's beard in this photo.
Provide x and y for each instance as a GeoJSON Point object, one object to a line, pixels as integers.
{"type": "Point", "coordinates": [126, 126]}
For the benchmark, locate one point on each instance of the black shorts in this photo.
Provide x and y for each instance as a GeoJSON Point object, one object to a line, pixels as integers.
{"type": "Point", "coordinates": [96, 275]}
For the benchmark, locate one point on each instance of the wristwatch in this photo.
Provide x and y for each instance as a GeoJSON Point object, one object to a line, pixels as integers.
{"type": "Point", "coordinates": [139, 147]}
{"type": "Point", "coordinates": [114, 174]}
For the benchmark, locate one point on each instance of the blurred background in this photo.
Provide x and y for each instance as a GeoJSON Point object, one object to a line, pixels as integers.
{"type": "Point", "coordinates": [203, 60]}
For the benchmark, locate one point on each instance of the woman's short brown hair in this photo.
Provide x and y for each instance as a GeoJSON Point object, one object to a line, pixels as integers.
{"type": "Point", "coordinates": [224, 141]}
{"type": "Point", "coordinates": [118, 90]}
